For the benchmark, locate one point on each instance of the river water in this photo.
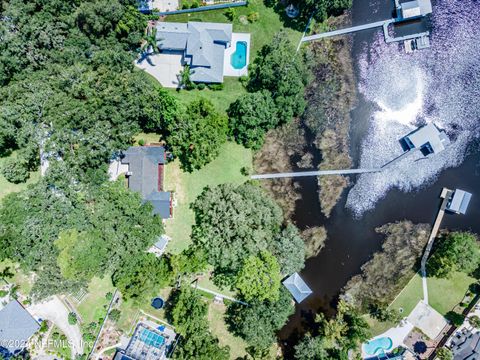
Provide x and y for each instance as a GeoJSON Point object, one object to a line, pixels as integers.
{"type": "Point", "coordinates": [397, 92]}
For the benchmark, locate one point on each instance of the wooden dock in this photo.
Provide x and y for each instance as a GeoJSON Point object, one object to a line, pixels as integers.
{"type": "Point", "coordinates": [445, 195]}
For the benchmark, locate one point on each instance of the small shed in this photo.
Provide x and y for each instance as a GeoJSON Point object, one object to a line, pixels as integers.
{"type": "Point", "coordinates": [459, 201]}
{"type": "Point", "coordinates": [416, 8]}
{"type": "Point", "coordinates": [297, 287]}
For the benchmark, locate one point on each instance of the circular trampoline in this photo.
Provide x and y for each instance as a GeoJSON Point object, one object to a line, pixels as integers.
{"type": "Point", "coordinates": [157, 303]}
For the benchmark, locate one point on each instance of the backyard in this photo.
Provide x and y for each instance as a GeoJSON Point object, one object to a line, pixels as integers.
{"type": "Point", "coordinates": [187, 186]}
{"type": "Point", "coordinates": [443, 294]}
{"type": "Point", "coordinates": [7, 187]}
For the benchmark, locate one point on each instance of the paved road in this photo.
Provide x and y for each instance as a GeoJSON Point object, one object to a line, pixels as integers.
{"type": "Point", "coordinates": [55, 311]}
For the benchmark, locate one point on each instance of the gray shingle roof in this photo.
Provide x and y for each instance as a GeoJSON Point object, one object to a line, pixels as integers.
{"type": "Point", "coordinates": [203, 45]}
{"type": "Point", "coordinates": [16, 326]}
{"type": "Point", "coordinates": [469, 349]}
{"type": "Point", "coordinates": [143, 166]}
{"type": "Point", "coordinates": [297, 287]}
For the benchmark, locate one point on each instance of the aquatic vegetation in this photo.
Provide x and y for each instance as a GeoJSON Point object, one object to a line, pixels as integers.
{"type": "Point", "coordinates": [441, 84]}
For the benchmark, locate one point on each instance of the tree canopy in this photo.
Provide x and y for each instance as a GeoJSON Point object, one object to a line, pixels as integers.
{"type": "Point", "coordinates": [188, 312]}
{"type": "Point", "coordinates": [259, 278]}
{"type": "Point", "coordinates": [197, 134]}
{"type": "Point", "coordinates": [458, 251]}
{"type": "Point", "coordinates": [259, 322]}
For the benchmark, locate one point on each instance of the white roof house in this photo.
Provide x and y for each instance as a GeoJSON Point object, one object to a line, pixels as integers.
{"type": "Point", "coordinates": [297, 287]}
{"type": "Point", "coordinates": [429, 139]}
{"type": "Point", "coordinates": [416, 8]}
{"type": "Point", "coordinates": [459, 201]}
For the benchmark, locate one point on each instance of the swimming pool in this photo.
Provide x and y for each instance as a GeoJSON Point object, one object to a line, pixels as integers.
{"type": "Point", "coordinates": [377, 346]}
{"type": "Point", "coordinates": [239, 57]}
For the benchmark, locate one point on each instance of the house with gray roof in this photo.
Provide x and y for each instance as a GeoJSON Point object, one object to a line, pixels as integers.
{"type": "Point", "coordinates": [145, 176]}
{"type": "Point", "coordinates": [202, 45]}
{"type": "Point", "coordinates": [16, 327]}
{"type": "Point", "coordinates": [297, 287]}
{"type": "Point", "coordinates": [467, 346]}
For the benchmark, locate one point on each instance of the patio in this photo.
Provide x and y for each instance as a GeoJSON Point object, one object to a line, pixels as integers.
{"type": "Point", "coordinates": [228, 69]}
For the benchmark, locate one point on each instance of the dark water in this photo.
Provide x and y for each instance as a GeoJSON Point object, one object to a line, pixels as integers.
{"type": "Point", "coordinates": [351, 242]}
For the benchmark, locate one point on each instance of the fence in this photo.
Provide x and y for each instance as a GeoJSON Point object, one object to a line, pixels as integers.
{"type": "Point", "coordinates": [203, 8]}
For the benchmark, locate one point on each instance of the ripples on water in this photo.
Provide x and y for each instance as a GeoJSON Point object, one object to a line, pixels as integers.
{"type": "Point", "coordinates": [440, 84]}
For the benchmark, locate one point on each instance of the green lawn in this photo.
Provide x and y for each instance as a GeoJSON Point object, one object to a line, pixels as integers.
{"type": "Point", "coordinates": [216, 314]}
{"type": "Point", "coordinates": [443, 296]}
{"type": "Point", "coordinates": [187, 186]}
{"type": "Point", "coordinates": [58, 344]}
{"type": "Point", "coordinates": [233, 89]}
{"type": "Point", "coordinates": [262, 31]}
{"type": "Point", "coordinates": [21, 279]}
{"type": "Point", "coordinates": [93, 306]}
{"type": "Point", "coordinates": [7, 187]}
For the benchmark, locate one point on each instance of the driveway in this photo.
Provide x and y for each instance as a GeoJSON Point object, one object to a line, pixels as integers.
{"type": "Point", "coordinates": [55, 311]}
{"type": "Point", "coordinates": [164, 67]}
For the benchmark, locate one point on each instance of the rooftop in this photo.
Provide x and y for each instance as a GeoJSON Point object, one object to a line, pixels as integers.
{"type": "Point", "coordinates": [459, 202]}
{"type": "Point", "coordinates": [297, 287]}
{"type": "Point", "coordinates": [427, 138]}
{"type": "Point", "coordinates": [148, 343]}
{"type": "Point", "coordinates": [468, 347]}
{"type": "Point", "coordinates": [16, 327]}
{"type": "Point", "coordinates": [416, 8]}
{"type": "Point", "coordinates": [203, 45]}
{"type": "Point", "coordinates": [145, 175]}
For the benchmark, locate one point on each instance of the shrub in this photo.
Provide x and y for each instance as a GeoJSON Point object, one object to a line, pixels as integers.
{"type": "Point", "coordinates": [201, 86]}
{"type": "Point", "coordinates": [216, 87]}
{"type": "Point", "coordinates": [3, 293]}
{"type": "Point", "coordinates": [230, 14]}
{"type": "Point", "coordinates": [474, 320]}
{"type": "Point", "coordinates": [444, 354]}
{"type": "Point", "coordinates": [114, 315]}
{"type": "Point", "coordinates": [253, 17]}
{"type": "Point", "coordinates": [141, 142]}
{"type": "Point", "coordinates": [455, 318]}
{"type": "Point", "coordinates": [15, 170]}
{"type": "Point", "coordinates": [194, 5]}
{"type": "Point", "coordinates": [72, 318]}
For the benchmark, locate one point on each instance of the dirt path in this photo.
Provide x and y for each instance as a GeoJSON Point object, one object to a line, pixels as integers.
{"type": "Point", "coordinates": [55, 311]}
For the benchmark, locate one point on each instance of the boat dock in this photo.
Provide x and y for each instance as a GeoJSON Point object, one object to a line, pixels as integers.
{"type": "Point", "coordinates": [315, 173]}
{"type": "Point", "coordinates": [445, 195]}
{"type": "Point", "coordinates": [348, 30]}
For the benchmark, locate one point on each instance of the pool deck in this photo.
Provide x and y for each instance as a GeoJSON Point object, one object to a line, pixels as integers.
{"type": "Point", "coordinates": [228, 69]}
{"type": "Point", "coordinates": [397, 334]}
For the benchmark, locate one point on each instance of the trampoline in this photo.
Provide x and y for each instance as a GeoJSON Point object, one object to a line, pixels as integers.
{"type": "Point", "coordinates": [157, 303]}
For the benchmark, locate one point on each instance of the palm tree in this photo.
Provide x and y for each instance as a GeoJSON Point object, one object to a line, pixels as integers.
{"type": "Point", "coordinates": [150, 45]}
{"type": "Point", "coordinates": [184, 78]}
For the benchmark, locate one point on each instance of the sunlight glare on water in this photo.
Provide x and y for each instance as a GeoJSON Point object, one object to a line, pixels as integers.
{"type": "Point", "coordinates": [440, 85]}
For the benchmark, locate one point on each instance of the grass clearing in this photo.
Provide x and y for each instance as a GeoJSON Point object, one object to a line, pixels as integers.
{"type": "Point", "coordinates": [58, 344]}
{"type": "Point", "coordinates": [21, 279]}
{"type": "Point", "coordinates": [216, 314]}
{"type": "Point", "coordinates": [93, 306]}
{"type": "Point", "coordinates": [187, 186]}
{"type": "Point", "coordinates": [232, 90]}
{"type": "Point", "coordinates": [7, 187]}
{"type": "Point", "coordinates": [443, 296]}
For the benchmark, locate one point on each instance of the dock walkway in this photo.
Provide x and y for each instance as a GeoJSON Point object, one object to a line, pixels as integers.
{"type": "Point", "coordinates": [348, 30]}
{"type": "Point", "coordinates": [445, 195]}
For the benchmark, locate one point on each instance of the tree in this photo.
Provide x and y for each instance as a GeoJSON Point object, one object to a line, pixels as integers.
{"type": "Point", "coordinates": [444, 354]}
{"type": "Point", "coordinates": [150, 44]}
{"type": "Point", "coordinates": [251, 116]}
{"type": "Point", "coordinates": [233, 223]}
{"type": "Point", "coordinates": [474, 320]}
{"type": "Point", "coordinates": [184, 78]}
{"type": "Point", "coordinates": [383, 314]}
{"type": "Point", "coordinates": [284, 75]}
{"type": "Point", "coordinates": [189, 261]}
{"type": "Point", "coordinates": [140, 275]}
{"type": "Point", "coordinates": [458, 251]}
{"type": "Point", "coordinates": [259, 278]}
{"type": "Point", "coordinates": [72, 318]}
{"type": "Point", "coordinates": [197, 135]}
{"type": "Point", "coordinates": [311, 348]}
{"type": "Point", "coordinates": [289, 249]}
{"type": "Point", "coordinates": [259, 322]}
{"type": "Point", "coordinates": [15, 170]}
{"type": "Point", "coordinates": [114, 315]}
{"type": "Point", "coordinates": [188, 313]}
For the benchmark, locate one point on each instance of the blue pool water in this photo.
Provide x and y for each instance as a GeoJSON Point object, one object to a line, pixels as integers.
{"type": "Point", "coordinates": [378, 346]}
{"type": "Point", "coordinates": [152, 339]}
{"type": "Point", "coordinates": [239, 57]}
